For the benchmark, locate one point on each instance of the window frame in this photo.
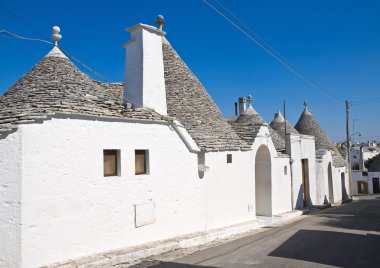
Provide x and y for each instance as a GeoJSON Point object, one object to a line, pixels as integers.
{"type": "Point", "coordinates": [146, 162]}
{"type": "Point", "coordinates": [117, 162]}
{"type": "Point", "coordinates": [229, 158]}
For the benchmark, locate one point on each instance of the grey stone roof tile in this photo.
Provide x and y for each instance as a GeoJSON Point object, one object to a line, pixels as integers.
{"type": "Point", "coordinates": [278, 125]}
{"type": "Point", "coordinates": [188, 101]}
{"type": "Point", "coordinates": [55, 85]}
{"type": "Point", "coordinates": [308, 125]}
{"type": "Point", "coordinates": [252, 119]}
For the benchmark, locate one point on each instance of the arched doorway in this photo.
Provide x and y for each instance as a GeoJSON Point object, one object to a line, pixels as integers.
{"type": "Point", "coordinates": [330, 182]}
{"type": "Point", "coordinates": [263, 185]}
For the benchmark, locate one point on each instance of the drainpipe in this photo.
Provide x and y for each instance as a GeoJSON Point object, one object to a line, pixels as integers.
{"type": "Point", "coordinates": [291, 182]}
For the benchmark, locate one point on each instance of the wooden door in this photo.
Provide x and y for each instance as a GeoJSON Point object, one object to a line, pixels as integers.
{"type": "Point", "coordinates": [376, 185]}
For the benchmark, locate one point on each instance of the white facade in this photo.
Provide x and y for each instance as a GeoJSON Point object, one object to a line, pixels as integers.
{"type": "Point", "coordinates": [69, 209]}
{"type": "Point", "coordinates": [10, 199]}
{"type": "Point", "coordinates": [301, 149]}
{"type": "Point", "coordinates": [365, 180]}
{"type": "Point", "coordinates": [332, 182]}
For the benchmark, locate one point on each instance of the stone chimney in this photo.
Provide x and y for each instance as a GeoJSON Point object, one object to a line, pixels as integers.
{"type": "Point", "coordinates": [144, 72]}
{"type": "Point", "coordinates": [242, 105]}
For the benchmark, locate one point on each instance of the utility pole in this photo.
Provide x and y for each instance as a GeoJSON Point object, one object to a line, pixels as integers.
{"type": "Point", "coordinates": [348, 146]}
{"type": "Point", "coordinates": [285, 118]}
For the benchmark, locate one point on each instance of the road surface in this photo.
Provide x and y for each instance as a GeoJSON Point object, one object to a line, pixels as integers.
{"type": "Point", "coordinates": [344, 236]}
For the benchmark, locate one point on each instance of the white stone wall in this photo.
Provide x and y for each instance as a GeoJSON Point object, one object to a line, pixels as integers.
{"type": "Point", "coordinates": [302, 147]}
{"type": "Point", "coordinates": [280, 183]}
{"type": "Point", "coordinates": [230, 188]}
{"type": "Point", "coordinates": [323, 158]}
{"type": "Point", "coordinates": [10, 199]}
{"type": "Point", "coordinates": [71, 210]}
{"type": "Point", "coordinates": [144, 69]}
{"type": "Point", "coordinates": [358, 176]}
{"type": "Point", "coordinates": [281, 186]}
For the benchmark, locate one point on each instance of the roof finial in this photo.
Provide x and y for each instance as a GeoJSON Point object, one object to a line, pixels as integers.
{"type": "Point", "coordinates": [160, 22]}
{"type": "Point", "coordinates": [305, 103]}
{"type": "Point", "coordinates": [250, 100]}
{"type": "Point", "coordinates": [56, 36]}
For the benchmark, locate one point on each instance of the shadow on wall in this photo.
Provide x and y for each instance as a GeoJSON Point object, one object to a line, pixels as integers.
{"type": "Point", "coordinates": [331, 248]}
{"type": "Point", "coordinates": [300, 199]}
{"type": "Point", "coordinates": [350, 217]}
{"type": "Point", "coordinates": [344, 189]}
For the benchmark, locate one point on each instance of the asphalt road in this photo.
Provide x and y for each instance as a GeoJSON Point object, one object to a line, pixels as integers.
{"type": "Point", "coordinates": [345, 236]}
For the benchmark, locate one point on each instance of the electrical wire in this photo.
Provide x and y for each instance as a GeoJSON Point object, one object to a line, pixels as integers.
{"type": "Point", "coordinates": [166, 118]}
{"type": "Point", "coordinates": [10, 12]}
{"type": "Point", "coordinates": [282, 60]}
{"type": "Point", "coordinates": [373, 100]}
{"type": "Point", "coordinates": [63, 50]}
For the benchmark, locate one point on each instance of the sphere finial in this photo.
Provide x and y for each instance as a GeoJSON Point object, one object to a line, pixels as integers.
{"type": "Point", "coordinates": [250, 99]}
{"type": "Point", "coordinates": [56, 36]}
{"type": "Point", "coordinates": [160, 22]}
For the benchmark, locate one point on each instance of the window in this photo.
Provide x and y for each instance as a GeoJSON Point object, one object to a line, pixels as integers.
{"type": "Point", "coordinates": [111, 162]}
{"type": "Point", "coordinates": [364, 173]}
{"type": "Point", "coordinates": [229, 158]}
{"type": "Point", "coordinates": [141, 162]}
{"type": "Point", "coordinates": [286, 170]}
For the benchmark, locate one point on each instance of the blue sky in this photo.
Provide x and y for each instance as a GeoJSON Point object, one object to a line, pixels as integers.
{"type": "Point", "coordinates": [334, 43]}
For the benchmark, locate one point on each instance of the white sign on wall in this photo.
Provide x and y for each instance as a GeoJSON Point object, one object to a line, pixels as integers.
{"type": "Point", "coordinates": [144, 214]}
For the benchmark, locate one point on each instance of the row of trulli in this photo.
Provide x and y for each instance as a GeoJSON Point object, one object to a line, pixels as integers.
{"type": "Point", "coordinates": [87, 167]}
{"type": "Point", "coordinates": [319, 174]}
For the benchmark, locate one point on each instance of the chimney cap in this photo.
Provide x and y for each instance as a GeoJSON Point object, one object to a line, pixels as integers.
{"type": "Point", "coordinates": [145, 27]}
{"type": "Point", "coordinates": [160, 22]}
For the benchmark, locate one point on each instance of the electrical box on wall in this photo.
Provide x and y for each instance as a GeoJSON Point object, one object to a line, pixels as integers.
{"type": "Point", "coordinates": [144, 214]}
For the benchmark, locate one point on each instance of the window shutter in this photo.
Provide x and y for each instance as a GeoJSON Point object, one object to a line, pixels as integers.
{"type": "Point", "coordinates": [140, 163]}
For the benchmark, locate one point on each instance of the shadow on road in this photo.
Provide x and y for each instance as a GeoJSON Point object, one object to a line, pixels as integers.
{"type": "Point", "coordinates": [171, 265]}
{"type": "Point", "coordinates": [331, 248]}
{"type": "Point", "coordinates": [367, 218]}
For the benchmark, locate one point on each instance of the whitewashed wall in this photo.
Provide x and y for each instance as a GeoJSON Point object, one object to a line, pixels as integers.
{"type": "Point", "coordinates": [302, 147]}
{"type": "Point", "coordinates": [323, 158]}
{"type": "Point", "coordinates": [10, 199]}
{"type": "Point", "coordinates": [71, 210]}
{"type": "Point", "coordinates": [358, 176]}
{"type": "Point", "coordinates": [281, 184]}
{"type": "Point", "coordinates": [230, 188]}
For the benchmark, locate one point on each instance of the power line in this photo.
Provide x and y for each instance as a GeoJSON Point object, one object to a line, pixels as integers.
{"type": "Point", "coordinates": [10, 12]}
{"type": "Point", "coordinates": [365, 101]}
{"type": "Point", "coordinates": [4, 32]}
{"type": "Point", "coordinates": [282, 60]}
{"type": "Point", "coordinates": [51, 43]}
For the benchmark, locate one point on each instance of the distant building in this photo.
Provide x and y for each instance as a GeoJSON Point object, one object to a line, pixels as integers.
{"type": "Point", "coordinates": [367, 182]}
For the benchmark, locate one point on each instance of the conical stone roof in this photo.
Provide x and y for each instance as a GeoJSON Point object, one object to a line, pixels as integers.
{"type": "Point", "coordinates": [188, 101]}
{"type": "Point", "coordinates": [246, 124]}
{"type": "Point", "coordinates": [56, 86]}
{"type": "Point", "coordinates": [278, 125]}
{"type": "Point", "coordinates": [375, 166]}
{"type": "Point", "coordinates": [308, 125]}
